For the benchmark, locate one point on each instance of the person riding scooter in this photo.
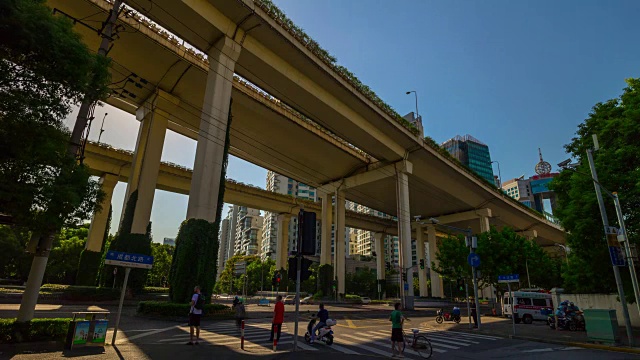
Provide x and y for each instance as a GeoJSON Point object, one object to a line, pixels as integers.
{"type": "Point", "coordinates": [323, 316]}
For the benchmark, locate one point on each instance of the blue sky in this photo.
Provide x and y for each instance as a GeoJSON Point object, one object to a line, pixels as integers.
{"type": "Point", "coordinates": [517, 75]}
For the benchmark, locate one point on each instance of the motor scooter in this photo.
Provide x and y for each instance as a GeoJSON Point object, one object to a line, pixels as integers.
{"type": "Point", "coordinates": [442, 316]}
{"type": "Point", "coordinates": [325, 334]}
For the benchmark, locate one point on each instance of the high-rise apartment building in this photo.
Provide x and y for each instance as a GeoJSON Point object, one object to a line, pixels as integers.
{"type": "Point", "coordinates": [472, 153]}
{"type": "Point", "coordinates": [248, 231]}
{"type": "Point", "coordinates": [227, 237]}
{"type": "Point", "coordinates": [284, 185]}
{"type": "Point", "coordinates": [415, 120]}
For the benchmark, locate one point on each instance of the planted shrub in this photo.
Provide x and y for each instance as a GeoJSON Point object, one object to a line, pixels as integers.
{"type": "Point", "coordinates": [54, 329]}
{"type": "Point", "coordinates": [162, 308]}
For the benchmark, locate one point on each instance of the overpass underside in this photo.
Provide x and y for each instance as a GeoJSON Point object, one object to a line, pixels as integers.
{"type": "Point", "coordinates": [316, 128]}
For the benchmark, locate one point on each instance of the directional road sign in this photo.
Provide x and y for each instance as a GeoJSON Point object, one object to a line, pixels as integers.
{"type": "Point", "coordinates": [509, 278]}
{"type": "Point", "coordinates": [615, 251]}
{"type": "Point", "coordinates": [473, 259]}
{"type": "Point", "coordinates": [128, 260]}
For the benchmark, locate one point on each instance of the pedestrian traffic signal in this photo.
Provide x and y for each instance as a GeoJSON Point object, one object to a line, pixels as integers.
{"type": "Point", "coordinates": [305, 271]}
{"type": "Point", "coordinates": [388, 265]}
{"type": "Point", "coordinates": [293, 269]}
{"type": "Point", "coordinates": [404, 276]}
{"type": "Point", "coordinates": [421, 264]}
{"type": "Point", "coordinates": [306, 233]}
{"type": "Point", "coordinates": [460, 284]}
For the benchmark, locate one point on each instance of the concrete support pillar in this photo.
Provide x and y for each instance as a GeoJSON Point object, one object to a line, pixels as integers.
{"type": "Point", "coordinates": [207, 167]}
{"type": "Point", "coordinates": [484, 224]}
{"type": "Point", "coordinates": [282, 246]}
{"type": "Point", "coordinates": [146, 163]}
{"type": "Point", "coordinates": [339, 263]}
{"type": "Point", "coordinates": [422, 273]}
{"type": "Point", "coordinates": [325, 240]}
{"type": "Point", "coordinates": [95, 239]}
{"type": "Point", "coordinates": [437, 288]}
{"type": "Point", "coordinates": [404, 232]}
{"type": "Point", "coordinates": [380, 266]}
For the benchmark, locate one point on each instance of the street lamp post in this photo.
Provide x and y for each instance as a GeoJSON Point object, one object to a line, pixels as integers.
{"type": "Point", "coordinates": [499, 174]}
{"type": "Point", "coordinates": [566, 251]}
{"type": "Point", "coordinates": [416, 94]}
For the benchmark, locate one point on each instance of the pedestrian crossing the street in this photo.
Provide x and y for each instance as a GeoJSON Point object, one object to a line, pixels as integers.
{"type": "Point", "coordinates": [378, 342]}
{"type": "Point", "coordinates": [256, 334]}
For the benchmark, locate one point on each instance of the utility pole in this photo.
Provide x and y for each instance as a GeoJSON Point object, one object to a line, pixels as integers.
{"type": "Point", "coordinates": [88, 101]}
{"type": "Point", "coordinates": [616, 271]}
{"type": "Point", "coordinates": [44, 242]}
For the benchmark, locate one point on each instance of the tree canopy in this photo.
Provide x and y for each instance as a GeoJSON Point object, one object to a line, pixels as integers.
{"type": "Point", "coordinates": [616, 122]}
{"type": "Point", "coordinates": [44, 70]}
{"type": "Point", "coordinates": [501, 252]}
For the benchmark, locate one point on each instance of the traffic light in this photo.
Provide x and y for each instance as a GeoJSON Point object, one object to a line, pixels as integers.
{"type": "Point", "coordinates": [421, 264]}
{"type": "Point", "coordinates": [278, 278]}
{"type": "Point", "coordinates": [293, 269]}
{"type": "Point", "coordinates": [388, 265]}
{"type": "Point", "coordinates": [307, 233]}
{"type": "Point", "coordinates": [274, 280]}
{"type": "Point", "coordinates": [404, 276]}
{"type": "Point", "coordinates": [305, 272]}
{"type": "Point", "coordinates": [460, 284]}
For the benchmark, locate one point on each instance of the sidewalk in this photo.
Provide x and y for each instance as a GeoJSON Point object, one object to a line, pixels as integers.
{"type": "Point", "coordinates": [539, 331]}
{"type": "Point", "coordinates": [132, 351]}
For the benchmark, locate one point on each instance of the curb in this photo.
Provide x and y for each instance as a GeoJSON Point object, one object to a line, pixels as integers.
{"type": "Point", "coordinates": [622, 349]}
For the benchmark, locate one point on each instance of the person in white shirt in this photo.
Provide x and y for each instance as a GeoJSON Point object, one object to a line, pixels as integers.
{"type": "Point", "coordinates": [197, 304]}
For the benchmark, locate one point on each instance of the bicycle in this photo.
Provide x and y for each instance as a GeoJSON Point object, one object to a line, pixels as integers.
{"type": "Point", "coordinates": [419, 344]}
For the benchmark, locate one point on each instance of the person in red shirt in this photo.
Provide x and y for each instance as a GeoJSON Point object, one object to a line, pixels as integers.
{"type": "Point", "coordinates": [278, 317]}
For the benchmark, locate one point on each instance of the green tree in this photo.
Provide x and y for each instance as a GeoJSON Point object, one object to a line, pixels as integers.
{"type": "Point", "coordinates": [159, 273]}
{"type": "Point", "coordinates": [67, 245]}
{"type": "Point", "coordinates": [501, 252]}
{"type": "Point", "coordinates": [90, 261]}
{"type": "Point", "coordinates": [44, 69]}
{"type": "Point", "coordinates": [325, 277]}
{"type": "Point", "coordinates": [616, 122]}
{"type": "Point", "coordinates": [14, 262]}
{"type": "Point", "coordinates": [363, 282]}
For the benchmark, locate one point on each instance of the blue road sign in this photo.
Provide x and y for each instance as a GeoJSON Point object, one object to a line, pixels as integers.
{"type": "Point", "coordinates": [617, 258]}
{"type": "Point", "coordinates": [508, 278]}
{"type": "Point", "coordinates": [406, 286]}
{"type": "Point", "coordinates": [128, 260]}
{"type": "Point", "coordinates": [473, 259]}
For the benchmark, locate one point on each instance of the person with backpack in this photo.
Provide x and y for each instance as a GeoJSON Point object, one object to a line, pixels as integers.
{"type": "Point", "coordinates": [197, 304]}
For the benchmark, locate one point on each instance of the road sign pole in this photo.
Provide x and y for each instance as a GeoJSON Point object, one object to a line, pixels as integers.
{"type": "Point", "coordinates": [297, 300]}
{"type": "Point", "coordinates": [513, 317]}
{"type": "Point", "coordinates": [127, 270]}
{"type": "Point", "coordinates": [475, 293]}
{"type": "Point", "coordinates": [466, 292]}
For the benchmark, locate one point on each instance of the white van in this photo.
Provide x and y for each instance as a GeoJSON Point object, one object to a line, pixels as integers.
{"type": "Point", "coordinates": [529, 306]}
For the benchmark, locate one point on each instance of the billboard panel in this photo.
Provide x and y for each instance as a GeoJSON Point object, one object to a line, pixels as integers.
{"type": "Point", "coordinates": [540, 186]}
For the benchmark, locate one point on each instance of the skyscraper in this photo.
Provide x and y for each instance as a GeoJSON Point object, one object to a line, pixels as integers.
{"type": "Point", "coordinates": [472, 153]}
{"type": "Point", "coordinates": [227, 238]}
{"type": "Point", "coordinates": [248, 231]}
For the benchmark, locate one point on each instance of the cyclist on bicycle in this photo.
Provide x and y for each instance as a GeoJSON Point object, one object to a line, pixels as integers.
{"type": "Point", "coordinates": [397, 337]}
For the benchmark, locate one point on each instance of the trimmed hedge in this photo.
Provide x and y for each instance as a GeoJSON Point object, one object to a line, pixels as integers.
{"type": "Point", "coordinates": [163, 308]}
{"type": "Point", "coordinates": [88, 268]}
{"type": "Point", "coordinates": [155, 290]}
{"type": "Point", "coordinates": [356, 299]}
{"type": "Point", "coordinates": [34, 330]}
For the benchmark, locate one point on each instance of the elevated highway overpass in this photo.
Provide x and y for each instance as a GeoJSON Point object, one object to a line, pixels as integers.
{"type": "Point", "coordinates": [351, 149]}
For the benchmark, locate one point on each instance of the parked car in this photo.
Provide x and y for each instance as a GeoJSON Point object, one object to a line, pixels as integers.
{"type": "Point", "coordinates": [365, 300]}
{"type": "Point", "coordinates": [308, 300]}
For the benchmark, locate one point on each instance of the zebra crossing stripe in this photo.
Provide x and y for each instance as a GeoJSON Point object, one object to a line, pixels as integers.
{"type": "Point", "coordinates": [449, 340]}
{"type": "Point", "coordinates": [385, 344]}
{"type": "Point", "coordinates": [469, 335]}
{"type": "Point", "coordinates": [304, 346]}
{"type": "Point", "coordinates": [363, 347]}
{"type": "Point", "coordinates": [343, 350]}
{"type": "Point", "coordinates": [433, 343]}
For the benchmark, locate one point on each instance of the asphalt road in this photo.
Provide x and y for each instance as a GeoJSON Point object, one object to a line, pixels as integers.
{"type": "Point", "coordinates": [362, 332]}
